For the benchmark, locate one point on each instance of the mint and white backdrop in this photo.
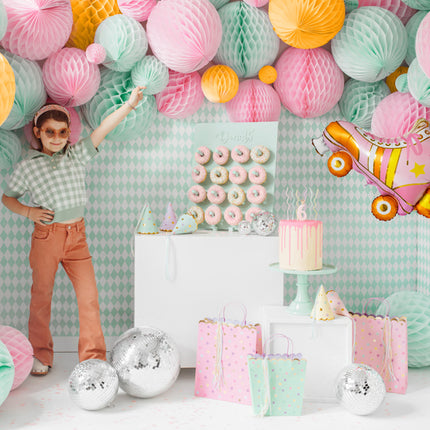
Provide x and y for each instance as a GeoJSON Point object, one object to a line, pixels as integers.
{"type": "Point", "coordinates": [373, 258]}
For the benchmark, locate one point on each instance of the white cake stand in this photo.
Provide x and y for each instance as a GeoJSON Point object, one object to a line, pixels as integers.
{"type": "Point", "coordinates": [302, 305]}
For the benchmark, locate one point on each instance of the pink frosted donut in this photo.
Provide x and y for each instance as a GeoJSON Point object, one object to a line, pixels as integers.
{"type": "Point", "coordinates": [236, 196]}
{"type": "Point", "coordinates": [233, 215]}
{"type": "Point", "coordinates": [256, 194]}
{"type": "Point", "coordinates": [199, 174]}
{"type": "Point", "coordinates": [213, 215]}
{"type": "Point", "coordinates": [251, 213]}
{"type": "Point", "coordinates": [219, 175]}
{"type": "Point", "coordinates": [196, 194]}
{"type": "Point", "coordinates": [260, 154]}
{"type": "Point", "coordinates": [240, 154]}
{"type": "Point", "coordinates": [221, 155]}
{"type": "Point", "coordinates": [237, 175]}
{"type": "Point", "coordinates": [202, 155]}
{"type": "Point", "coordinates": [216, 194]}
{"type": "Point", "coordinates": [258, 175]}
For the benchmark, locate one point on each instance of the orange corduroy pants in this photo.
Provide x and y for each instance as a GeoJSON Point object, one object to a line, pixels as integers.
{"type": "Point", "coordinates": [66, 244]}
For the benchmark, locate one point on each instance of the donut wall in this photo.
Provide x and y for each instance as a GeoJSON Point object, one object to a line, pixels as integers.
{"type": "Point", "coordinates": [232, 172]}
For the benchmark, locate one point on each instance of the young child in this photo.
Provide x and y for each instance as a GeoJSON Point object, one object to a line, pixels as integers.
{"type": "Point", "coordinates": [55, 178]}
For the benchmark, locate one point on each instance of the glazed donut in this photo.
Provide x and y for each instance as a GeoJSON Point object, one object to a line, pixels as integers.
{"type": "Point", "coordinates": [233, 215]}
{"type": "Point", "coordinates": [258, 175]}
{"type": "Point", "coordinates": [196, 194]}
{"type": "Point", "coordinates": [216, 194]}
{"type": "Point", "coordinates": [236, 196]}
{"type": "Point", "coordinates": [202, 155]}
{"type": "Point", "coordinates": [213, 215]}
{"type": "Point", "coordinates": [238, 175]}
{"type": "Point", "coordinates": [240, 154]}
{"type": "Point", "coordinates": [260, 154]}
{"type": "Point", "coordinates": [199, 174]}
{"type": "Point", "coordinates": [256, 194]}
{"type": "Point", "coordinates": [221, 155]}
{"type": "Point", "coordinates": [219, 175]}
{"type": "Point", "coordinates": [251, 213]}
{"type": "Point", "coordinates": [197, 213]}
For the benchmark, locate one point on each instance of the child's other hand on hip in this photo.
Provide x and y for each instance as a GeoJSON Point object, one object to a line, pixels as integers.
{"type": "Point", "coordinates": [40, 216]}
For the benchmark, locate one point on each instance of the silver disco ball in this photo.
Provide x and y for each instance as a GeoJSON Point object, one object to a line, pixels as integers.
{"type": "Point", "coordinates": [244, 227]}
{"type": "Point", "coordinates": [360, 389]}
{"type": "Point", "coordinates": [265, 223]}
{"type": "Point", "coordinates": [146, 360]}
{"type": "Point", "coordinates": [93, 384]}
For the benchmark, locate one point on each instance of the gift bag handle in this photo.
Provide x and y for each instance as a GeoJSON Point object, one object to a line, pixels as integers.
{"type": "Point", "coordinates": [221, 315]}
{"type": "Point", "coordinates": [377, 299]}
{"type": "Point", "coordinates": [271, 338]}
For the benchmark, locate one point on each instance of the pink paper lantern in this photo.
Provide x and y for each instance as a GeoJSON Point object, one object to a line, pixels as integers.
{"type": "Point", "coordinates": [21, 351]}
{"type": "Point", "coordinates": [95, 53]}
{"type": "Point", "coordinates": [255, 101]}
{"type": "Point", "coordinates": [256, 3]}
{"type": "Point", "coordinates": [396, 114]}
{"type": "Point", "coordinates": [183, 95]}
{"type": "Point", "coordinates": [309, 82]}
{"type": "Point", "coordinates": [69, 78]}
{"type": "Point", "coordinates": [402, 10]}
{"type": "Point", "coordinates": [137, 9]}
{"type": "Point", "coordinates": [422, 45]}
{"type": "Point", "coordinates": [37, 28]}
{"type": "Point", "coordinates": [184, 34]}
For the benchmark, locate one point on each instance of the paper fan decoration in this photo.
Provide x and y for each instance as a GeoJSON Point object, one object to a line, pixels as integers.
{"type": "Point", "coordinates": [151, 73]}
{"type": "Point", "coordinates": [419, 84]}
{"type": "Point", "coordinates": [182, 97]}
{"type": "Point", "coordinates": [248, 40]}
{"type": "Point", "coordinates": [306, 24]}
{"type": "Point", "coordinates": [186, 224]}
{"type": "Point", "coordinates": [124, 40]}
{"type": "Point", "coordinates": [7, 372]}
{"type": "Point", "coordinates": [422, 45]}
{"type": "Point", "coordinates": [37, 29]}
{"type": "Point", "coordinates": [137, 9]}
{"type": "Point", "coordinates": [7, 88]}
{"type": "Point", "coordinates": [220, 84]}
{"type": "Point", "coordinates": [10, 149]}
{"type": "Point", "coordinates": [412, 28]}
{"type": "Point", "coordinates": [418, 4]}
{"type": "Point", "coordinates": [169, 220]}
{"type": "Point", "coordinates": [3, 20]}
{"type": "Point", "coordinates": [184, 34]}
{"type": "Point", "coordinates": [322, 310]}
{"type": "Point", "coordinates": [371, 44]}
{"type": "Point", "coordinates": [146, 223]}
{"type": "Point", "coordinates": [309, 81]}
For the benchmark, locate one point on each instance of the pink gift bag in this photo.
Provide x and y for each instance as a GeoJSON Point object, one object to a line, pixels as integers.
{"type": "Point", "coordinates": [222, 350]}
{"type": "Point", "coordinates": [382, 343]}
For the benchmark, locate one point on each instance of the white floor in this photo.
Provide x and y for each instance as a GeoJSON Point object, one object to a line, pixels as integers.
{"type": "Point", "coordinates": [44, 403]}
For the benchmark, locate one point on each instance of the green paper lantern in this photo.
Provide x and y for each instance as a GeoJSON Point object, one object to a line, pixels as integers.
{"type": "Point", "coordinates": [402, 83]}
{"type": "Point", "coordinates": [219, 3]}
{"type": "Point", "coordinates": [418, 83]}
{"type": "Point", "coordinates": [350, 5]}
{"type": "Point", "coordinates": [151, 73]}
{"type": "Point", "coordinates": [248, 41]}
{"type": "Point", "coordinates": [359, 101]}
{"type": "Point", "coordinates": [10, 149]}
{"type": "Point", "coordinates": [418, 4]}
{"type": "Point", "coordinates": [7, 372]}
{"type": "Point", "coordinates": [411, 29]}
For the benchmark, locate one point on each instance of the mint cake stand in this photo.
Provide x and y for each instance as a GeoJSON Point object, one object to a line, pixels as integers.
{"type": "Point", "coordinates": [302, 305]}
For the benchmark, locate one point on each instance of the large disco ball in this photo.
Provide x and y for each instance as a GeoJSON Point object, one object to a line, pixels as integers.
{"type": "Point", "coordinates": [360, 389]}
{"type": "Point", "coordinates": [146, 360]}
{"type": "Point", "coordinates": [93, 384]}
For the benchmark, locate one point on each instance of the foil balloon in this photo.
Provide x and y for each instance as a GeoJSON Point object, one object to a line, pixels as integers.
{"type": "Point", "coordinates": [146, 360]}
{"type": "Point", "coordinates": [399, 168]}
{"type": "Point", "coordinates": [360, 389]}
{"type": "Point", "coordinates": [93, 384]}
{"type": "Point", "coordinates": [265, 223]}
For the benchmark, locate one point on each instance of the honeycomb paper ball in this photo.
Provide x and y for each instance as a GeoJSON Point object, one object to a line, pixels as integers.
{"type": "Point", "coordinates": [137, 9]}
{"type": "Point", "coordinates": [402, 83]}
{"type": "Point", "coordinates": [412, 28]}
{"type": "Point", "coordinates": [10, 149]}
{"type": "Point", "coordinates": [95, 53]}
{"type": "Point", "coordinates": [419, 84]}
{"type": "Point", "coordinates": [254, 102]}
{"type": "Point", "coordinates": [309, 81]}
{"type": "Point", "coordinates": [7, 88]}
{"type": "Point", "coordinates": [371, 44]}
{"type": "Point", "coordinates": [306, 24]}
{"type": "Point", "coordinates": [403, 11]}
{"type": "Point", "coordinates": [257, 3]}
{"type": "Point", "coordinates": [219, 3]}
{"type": "Point", "coordinates": [70, 79]}
{"type": "Point", "coordinates": [151, 73]}
{"type": "Point", "coordinates": [37, 29]}
{"type": "Point", "coordinates": [3, 20]}
{"type": "Point", "coordinates": [418, 4]}
{"type": "Point", "coordinates": [248, 40]}
{"type": "Point", "coordinates": [396, 114]}
{"type": "Point", "coordinates": [30, 94]}
{"type": "Point", "coordinates": [87, 16]}
{"type": "Point", "coordinates": [182, 97]}
{"type": "Point", "coordinates": [391, 78]}
{"type": "Point", "coordinates": [184, 34]}
{"type": "Point", "coordinates": [115, 89]}
{"type": "Point", "coordinates": [359, 101]}
{"type": "Point", "coordinates": [124, 40]}
{"type": "Point", "coordinates": [422, 45]}
{"type": "Point", "coordinates": [7, 372]}
{"type": "Point", "coordinates": [220, 84]}
{"type": "Point", "coordinates": [267, 74]}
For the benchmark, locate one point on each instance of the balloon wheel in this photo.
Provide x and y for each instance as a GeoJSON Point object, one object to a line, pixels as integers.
{"type": "Point", "coordinates": [423, 206]}
{"type": "Point", "coordinates": [339, 164]}
{"type": "Point", "coordinates": [384, 207]}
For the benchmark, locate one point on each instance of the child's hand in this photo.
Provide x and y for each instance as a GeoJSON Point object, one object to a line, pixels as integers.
{"type": "Point", "coordinates": [136, 96]}
{"type": "Point", "coordinates": [38, 215]}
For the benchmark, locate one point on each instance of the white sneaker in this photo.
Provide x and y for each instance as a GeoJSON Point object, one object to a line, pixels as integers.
{"type": "Point", "coordinates": [39, 369]}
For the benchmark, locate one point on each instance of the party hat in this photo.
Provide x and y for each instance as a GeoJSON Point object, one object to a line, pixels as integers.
{"type": "Point", "coordinates": [146, 223]}
{"type": "Point", "coordinates": [322, 310]}
{"type": "Point", "coordinates": [336, 303]}
{"type": "Point", "coordinates": [185, 224]}
{"type": "Point", "coordinates": [169, 220]}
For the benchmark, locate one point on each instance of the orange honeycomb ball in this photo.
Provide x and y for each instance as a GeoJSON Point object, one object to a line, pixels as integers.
{"type": "Point", "coordinates": [220, 84]}
{"type": "Point", "coordinates": [7, 88]}
{"type": "Point", "coordinates": [268, 74]}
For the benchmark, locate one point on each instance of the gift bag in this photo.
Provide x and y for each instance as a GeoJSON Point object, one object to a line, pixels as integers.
{"type": "Point", "coordinates": [222, 351]}
{"type": "Point", "coordinates": [277, 381]}
{"type": "Point", "coordinates": [381, 342]}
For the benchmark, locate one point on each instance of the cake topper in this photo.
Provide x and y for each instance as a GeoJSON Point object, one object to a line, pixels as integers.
{"type": "Point", "coordinates": [303, 202]}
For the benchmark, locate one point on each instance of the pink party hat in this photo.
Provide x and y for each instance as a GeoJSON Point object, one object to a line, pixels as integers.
{"type": "Point", "coordinates": [169, 220]}
{"type": "Point", "coordinates": [146, 223]}
{"type": "Point", "coordinates": [336, 303]}
{"type": "Point", "coordinates": [322, 310]}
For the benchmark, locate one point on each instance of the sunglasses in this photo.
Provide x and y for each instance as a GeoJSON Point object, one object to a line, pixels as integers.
{"type": "Point", "coordinates": [64, 133]}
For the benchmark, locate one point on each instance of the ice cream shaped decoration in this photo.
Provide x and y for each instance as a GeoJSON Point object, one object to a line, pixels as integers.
{"type": "Point", "coordinates": [146, 223]}
{"type": "Point", "coordinates": [169, 220]}
{"type": "Point", "coordinates": [185, 224]}
{"type": "Point", "coordinates": [337, 304]}
{"type": "Point", "coordinates": [322, 310]}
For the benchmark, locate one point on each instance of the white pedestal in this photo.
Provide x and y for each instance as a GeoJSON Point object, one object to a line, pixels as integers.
{"type": "Point", "coordinates": [326, 345]}
{"type": "Point", "coordinates": [204, 271]}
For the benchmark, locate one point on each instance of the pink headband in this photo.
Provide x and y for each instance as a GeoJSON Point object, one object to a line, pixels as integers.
{"type": "Point", "coordinates": [48, 108]}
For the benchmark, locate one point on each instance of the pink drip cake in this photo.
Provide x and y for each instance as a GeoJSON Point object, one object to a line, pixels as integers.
{"type": "Point", "coordinates": [300, 244]}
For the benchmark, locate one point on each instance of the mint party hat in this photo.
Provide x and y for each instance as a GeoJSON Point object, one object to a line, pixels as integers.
{"type": "Point", "coordinates": [169, 220]}
{"type": "Point", "coordinates": [146, 223]}
{"type": "Point", "coordinates": [322, 310]}
{"type": "Point", "coordinates": [185, 224]}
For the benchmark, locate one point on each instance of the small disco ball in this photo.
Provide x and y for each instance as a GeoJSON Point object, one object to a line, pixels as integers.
{"type": "Point", "coordinates": [265, 223]}
{"type": "Point", "coordinates": [146, 360]}
{"type": "Point", "coordinates": [244, 227]}
{"type": "Point", "coordinates": [360, 389]}
{"type": "Point", "coordinates": [93, 384]}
